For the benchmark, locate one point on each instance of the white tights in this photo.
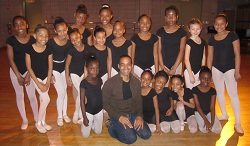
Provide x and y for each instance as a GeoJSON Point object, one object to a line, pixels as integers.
{"type": "Point", "coordinates": [30, 89]}
{"type": "Point", "coordinates": [44, 101]}
{"type": "Point", "coordinates": [216, 127]}
{"type": "Point", "coordinates": [178, 71]}
{"type": "Point", "coordinates": [61, 89]}
{"type": "Point", "coordinates": [187, 79]}
{"type": "Point", "coordinates": [113, 72]}
{"type": "Point", "coordinates": [95, 122]}
{"type": "Point", "coordinates": [228, 79]}
{"type": "Point", "coordinates": [174, 125]}
{"type": "Point", "coordinates": [76, 80]}
{"type": "Point", "coordinates": [192, 125]}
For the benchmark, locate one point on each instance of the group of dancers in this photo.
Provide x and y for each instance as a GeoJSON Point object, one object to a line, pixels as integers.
{"type": "Point", "coordinates": [84, 61]}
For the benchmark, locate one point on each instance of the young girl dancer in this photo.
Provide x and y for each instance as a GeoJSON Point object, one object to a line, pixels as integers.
{"type": "Point", "coordinates": [119, 46]}
{"type": "Point", "coordinates": [60, 46]}
{"type": "Point", "coordinates": [90, 88]}
{"type": "Point", "coordinates": [106, 15]}
{"type": "Point", "coordinates": [168, 117]}
{"type": "Point", "coordinates": [39, 63]}
{"type": "Point", "coordinates": [150, 102]}
{"type": "Point", "coordinates": [102, 53]}
{"type": "Point", "coordinates": [171, 43]}
{"type": "Point", "coordinates": [184, 103]}
{"type": "Point", "coordinates": [81, 16]}
{"type": "Point", "coordinates": [224, 60]}
{"type": "Point", "coordinates": [146, 47]}
{"type": "Point", "coordinates": [194, 54]}
{"type": "Point", "coordinates": [205, 97]}
{"type": "Point", "coordinates": [74, 67]}
{"type": "Point", "coordinates": [20, 78]}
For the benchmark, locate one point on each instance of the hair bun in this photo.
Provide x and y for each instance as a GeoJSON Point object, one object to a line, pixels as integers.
{"type": "Point", "coordinates": [105, 6]}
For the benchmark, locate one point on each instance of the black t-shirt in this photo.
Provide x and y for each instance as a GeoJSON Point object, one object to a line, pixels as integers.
{"type": "Point", "coordinates": [39, 61]}
{"type": "Point", "coordinates": [78, 60]}
{"type": "Point", "coordinates": [117, 52]}
{"type": "Point", "coordinates": [204, 98]}
{"type": "Point", "coordinates": [196, 54]}
{"type": "Point", "coordinates": [102, 56]}
{"type": "Point", "coordinates": [126, 90]}
{"type": "Point", "coordinates": [59, 54]}
{"type": "Point", "coordinates": [170, 43]}
{"type": "Point", "coordinates": [188, 94]}
{"type": "Point", "coordinates": [93, 94]}
{"type": "Point", "coordinates": [19, 50]}
{"type": "Point", "coordinates": [144, 51]}
{"type": "Point", "coordinates": [224, 57]}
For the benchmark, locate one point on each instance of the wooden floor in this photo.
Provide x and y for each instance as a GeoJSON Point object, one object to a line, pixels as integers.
{"type": "Point", "coordinates": [69, 134]}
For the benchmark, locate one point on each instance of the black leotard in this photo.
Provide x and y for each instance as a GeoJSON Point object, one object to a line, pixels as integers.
{"type": "Point", "coordinates": [224, 58]}
{"type": "Point", "coordinates": [204, 98]}
{"type": "Point", "coordinates": [39, 61]}
{"type": "Point", "coordinates": [170, 43]}
{"type": "Point", "coordinates": [19, 50]}
{"type": "Point", "coordinates": [148, 107]}
{"type": "Point", "coordinates": [93, 94]}
{"type": "Point", "coordinates": [117, 52]}
{"type": "Point", "coordinates": [144, 51]}
{"type": "Point", "coordinates": [196, 54]}
{"type": "Point", "coordinates": [188, 94]}
{"type": "Point", "coordinates": [59, 54]}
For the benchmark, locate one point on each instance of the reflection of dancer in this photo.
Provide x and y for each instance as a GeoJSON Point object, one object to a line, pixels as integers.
{"type": "Point", "coordinates": [60, 46]}
{"type": "Point", "coordinates": [205, 97]}
{"type": "Point", "coordinates": [224, 59]}
{"type": "Point", "coordinates": [39, 63]}
{"type": "Point", "coordinates": [20, 78]}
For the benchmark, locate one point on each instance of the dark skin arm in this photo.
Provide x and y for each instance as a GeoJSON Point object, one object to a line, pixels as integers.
{"type": "Point", "coordinates": [208, 125]}
{"type": "Point", "coordinates": [82, 103]}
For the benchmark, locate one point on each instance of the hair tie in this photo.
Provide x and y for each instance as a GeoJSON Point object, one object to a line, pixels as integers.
{"type": "Point", "coordinates": [105, 6]}
{"type": "Point", "coordinates": [148, 69]}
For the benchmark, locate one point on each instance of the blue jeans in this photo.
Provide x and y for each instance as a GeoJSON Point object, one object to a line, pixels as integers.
{"type": "Point", "coordinates": [128, 135]}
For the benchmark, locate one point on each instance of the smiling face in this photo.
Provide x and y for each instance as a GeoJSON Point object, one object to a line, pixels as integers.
{"type": "Point", "coordinates": [100, 38]}
{"type": "Point", "coordinates": [160, 83]}
{"type": "Point", "coordinates": [20, 26]}
{"type": "Point", "coordinates": [93, 69]}
{"type": "Point", "coordinates": [144, 24]}
{"type": "Point", "coordinates": [220, 24]}
{"type": "Point", "coordinates": [171, 17]}
{"type": "Point", "coordinates": [61, 30]}
{"type": "Point", "coordinates": [195, 29]}
{"type": "Point", "coordinates": [125, 66]}
{"type": "Point", "coordinates": [42, 36]}
{"type": "Point", "coordinates": [119, 29]}
{"type": "Point", "coordinates": [80, 18]}
{"type": "Point", "coordinates": [176, 84]}
{"type": "Point", "coordinates": [105, 16]}
{"type": "Point", "coordinates": [205, 79]}
{"type": "Point", "coordinates": [76, 39]}
{"type": "Point", "coordinates": [146, 79]}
